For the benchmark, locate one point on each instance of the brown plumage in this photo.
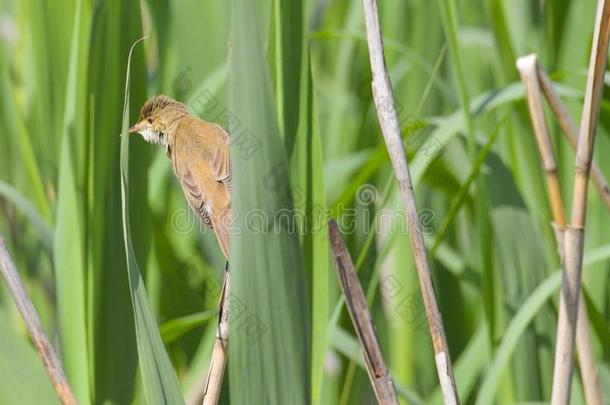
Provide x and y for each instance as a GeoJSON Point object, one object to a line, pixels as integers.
{"type": "Point", "coordinates": [199, 151]}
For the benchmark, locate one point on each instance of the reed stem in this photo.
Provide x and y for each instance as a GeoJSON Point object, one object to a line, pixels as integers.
{"type": "Point", "coordinates": [383, 96]}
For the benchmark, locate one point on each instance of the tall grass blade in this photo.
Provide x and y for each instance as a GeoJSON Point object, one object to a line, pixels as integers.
{"type": "Point", "coordinates": [310, 202]}
{"type": "Point", "coordinates": [269, 348]}
{"type": "Point", "coordinates": [112, 337]}
{"type": "Point", "coordinates": [289, 31]}
{"type": "Point", "coordinates": [70, 233]}
{"type": "Point", "coordinates": [158, 377]}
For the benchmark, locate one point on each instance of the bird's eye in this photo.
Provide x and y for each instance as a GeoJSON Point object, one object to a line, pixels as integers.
{"type": "Point", "coordinates": [149, 120]}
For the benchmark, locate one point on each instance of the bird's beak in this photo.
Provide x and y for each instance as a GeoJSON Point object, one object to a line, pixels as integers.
{"type": "Point", "coordinates": [136, 128]}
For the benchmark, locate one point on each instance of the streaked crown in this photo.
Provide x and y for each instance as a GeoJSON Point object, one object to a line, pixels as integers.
{"type": "Point", "coordinates": [160, 104]}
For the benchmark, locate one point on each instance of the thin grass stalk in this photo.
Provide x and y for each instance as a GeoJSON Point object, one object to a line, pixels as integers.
{"type": "Point", "coordinates": [34, 327]}
{"type": "Point", "coordinates": [388, 119]}
{"type": "Point", "coordinates": [220, 353]}
{"type": "Point", "coordinates": [571, 132]}
{"type": "Point", "coordinates": [449, 14]}
{"type": "Point", "coordinates": [528, 68]}
{"type": "Point", "coordinates": [482, 224]}
{"type": "Point", "coordinates": [574, 236]}
{"type": "Point", "coordinates": [357, 306]}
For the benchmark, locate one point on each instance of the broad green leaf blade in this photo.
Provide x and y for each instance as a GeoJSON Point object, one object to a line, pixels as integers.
{"type": "Point", "coordinates": [269, 351]}
{"type": "Point", "coordinates": [310, 203]}
{"type": "Point", "coordinates": [288, 35]}
{"type": "Point", "coordinates": [297, 101]}
{"type": "Point", "coordinates": [112, 335]}
{"type": "Point", "coordinates": [70, 256]}
{"type": "Point", "coordinates": [158, 377]}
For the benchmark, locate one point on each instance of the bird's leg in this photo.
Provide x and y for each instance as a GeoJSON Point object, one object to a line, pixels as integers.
{"type": "Point", "coordinates": [218, 362]}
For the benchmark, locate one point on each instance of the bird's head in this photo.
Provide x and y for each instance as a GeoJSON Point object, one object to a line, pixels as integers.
{"type": "Point", "coordinates": [157, 118]}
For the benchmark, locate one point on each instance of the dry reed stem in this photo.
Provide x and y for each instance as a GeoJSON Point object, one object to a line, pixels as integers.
{"type": "Point", "coordinates": [357, 306]}
{"type": "Point", "coordinates": [586, 357]}
{"type": "Point", "coordinates": [220, 353]}
{"type": "Point", "coordinates": [593, 391]}
{"type": "Point", "coordinates": [528, 68]}
{"type": "Point", "coordinates": [32, 322]}
{"type": "Point", "coordinates": [388, 120]}
{"type": "Point", "coordinates": [571, 132]}
{"type": "Point", "coordinates": [584, 343]}
{"type": "Point", "coordinates": [574, 234]}
{"type": "Point", "coordinates": [567, 320]}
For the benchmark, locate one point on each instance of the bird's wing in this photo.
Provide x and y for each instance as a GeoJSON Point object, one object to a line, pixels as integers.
{"type": "Point", "coordinates": [200, 156]}
{"type": "Point", "coordinates": [221, 159]}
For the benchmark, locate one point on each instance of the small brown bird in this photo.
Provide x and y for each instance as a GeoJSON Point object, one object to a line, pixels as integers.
{"type": "Point", "coordinates": [199, 151]}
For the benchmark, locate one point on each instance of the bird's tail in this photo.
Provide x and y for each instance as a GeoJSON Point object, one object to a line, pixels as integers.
{"type": "Point", "coordinates": [220, 224]}
{"type": "Point", "coordinates": [223, 240]}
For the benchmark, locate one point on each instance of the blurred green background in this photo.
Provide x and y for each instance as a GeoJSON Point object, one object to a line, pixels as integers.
{"type": "Point", "coordinates": [291, 80]}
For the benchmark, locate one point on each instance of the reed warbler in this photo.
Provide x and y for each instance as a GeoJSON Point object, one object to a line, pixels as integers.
{"type": "Point", "coordinates": [200, 156]}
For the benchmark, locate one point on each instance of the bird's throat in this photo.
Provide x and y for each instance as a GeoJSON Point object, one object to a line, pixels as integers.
{"type": "Point", "coordinates": [154, 137]}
